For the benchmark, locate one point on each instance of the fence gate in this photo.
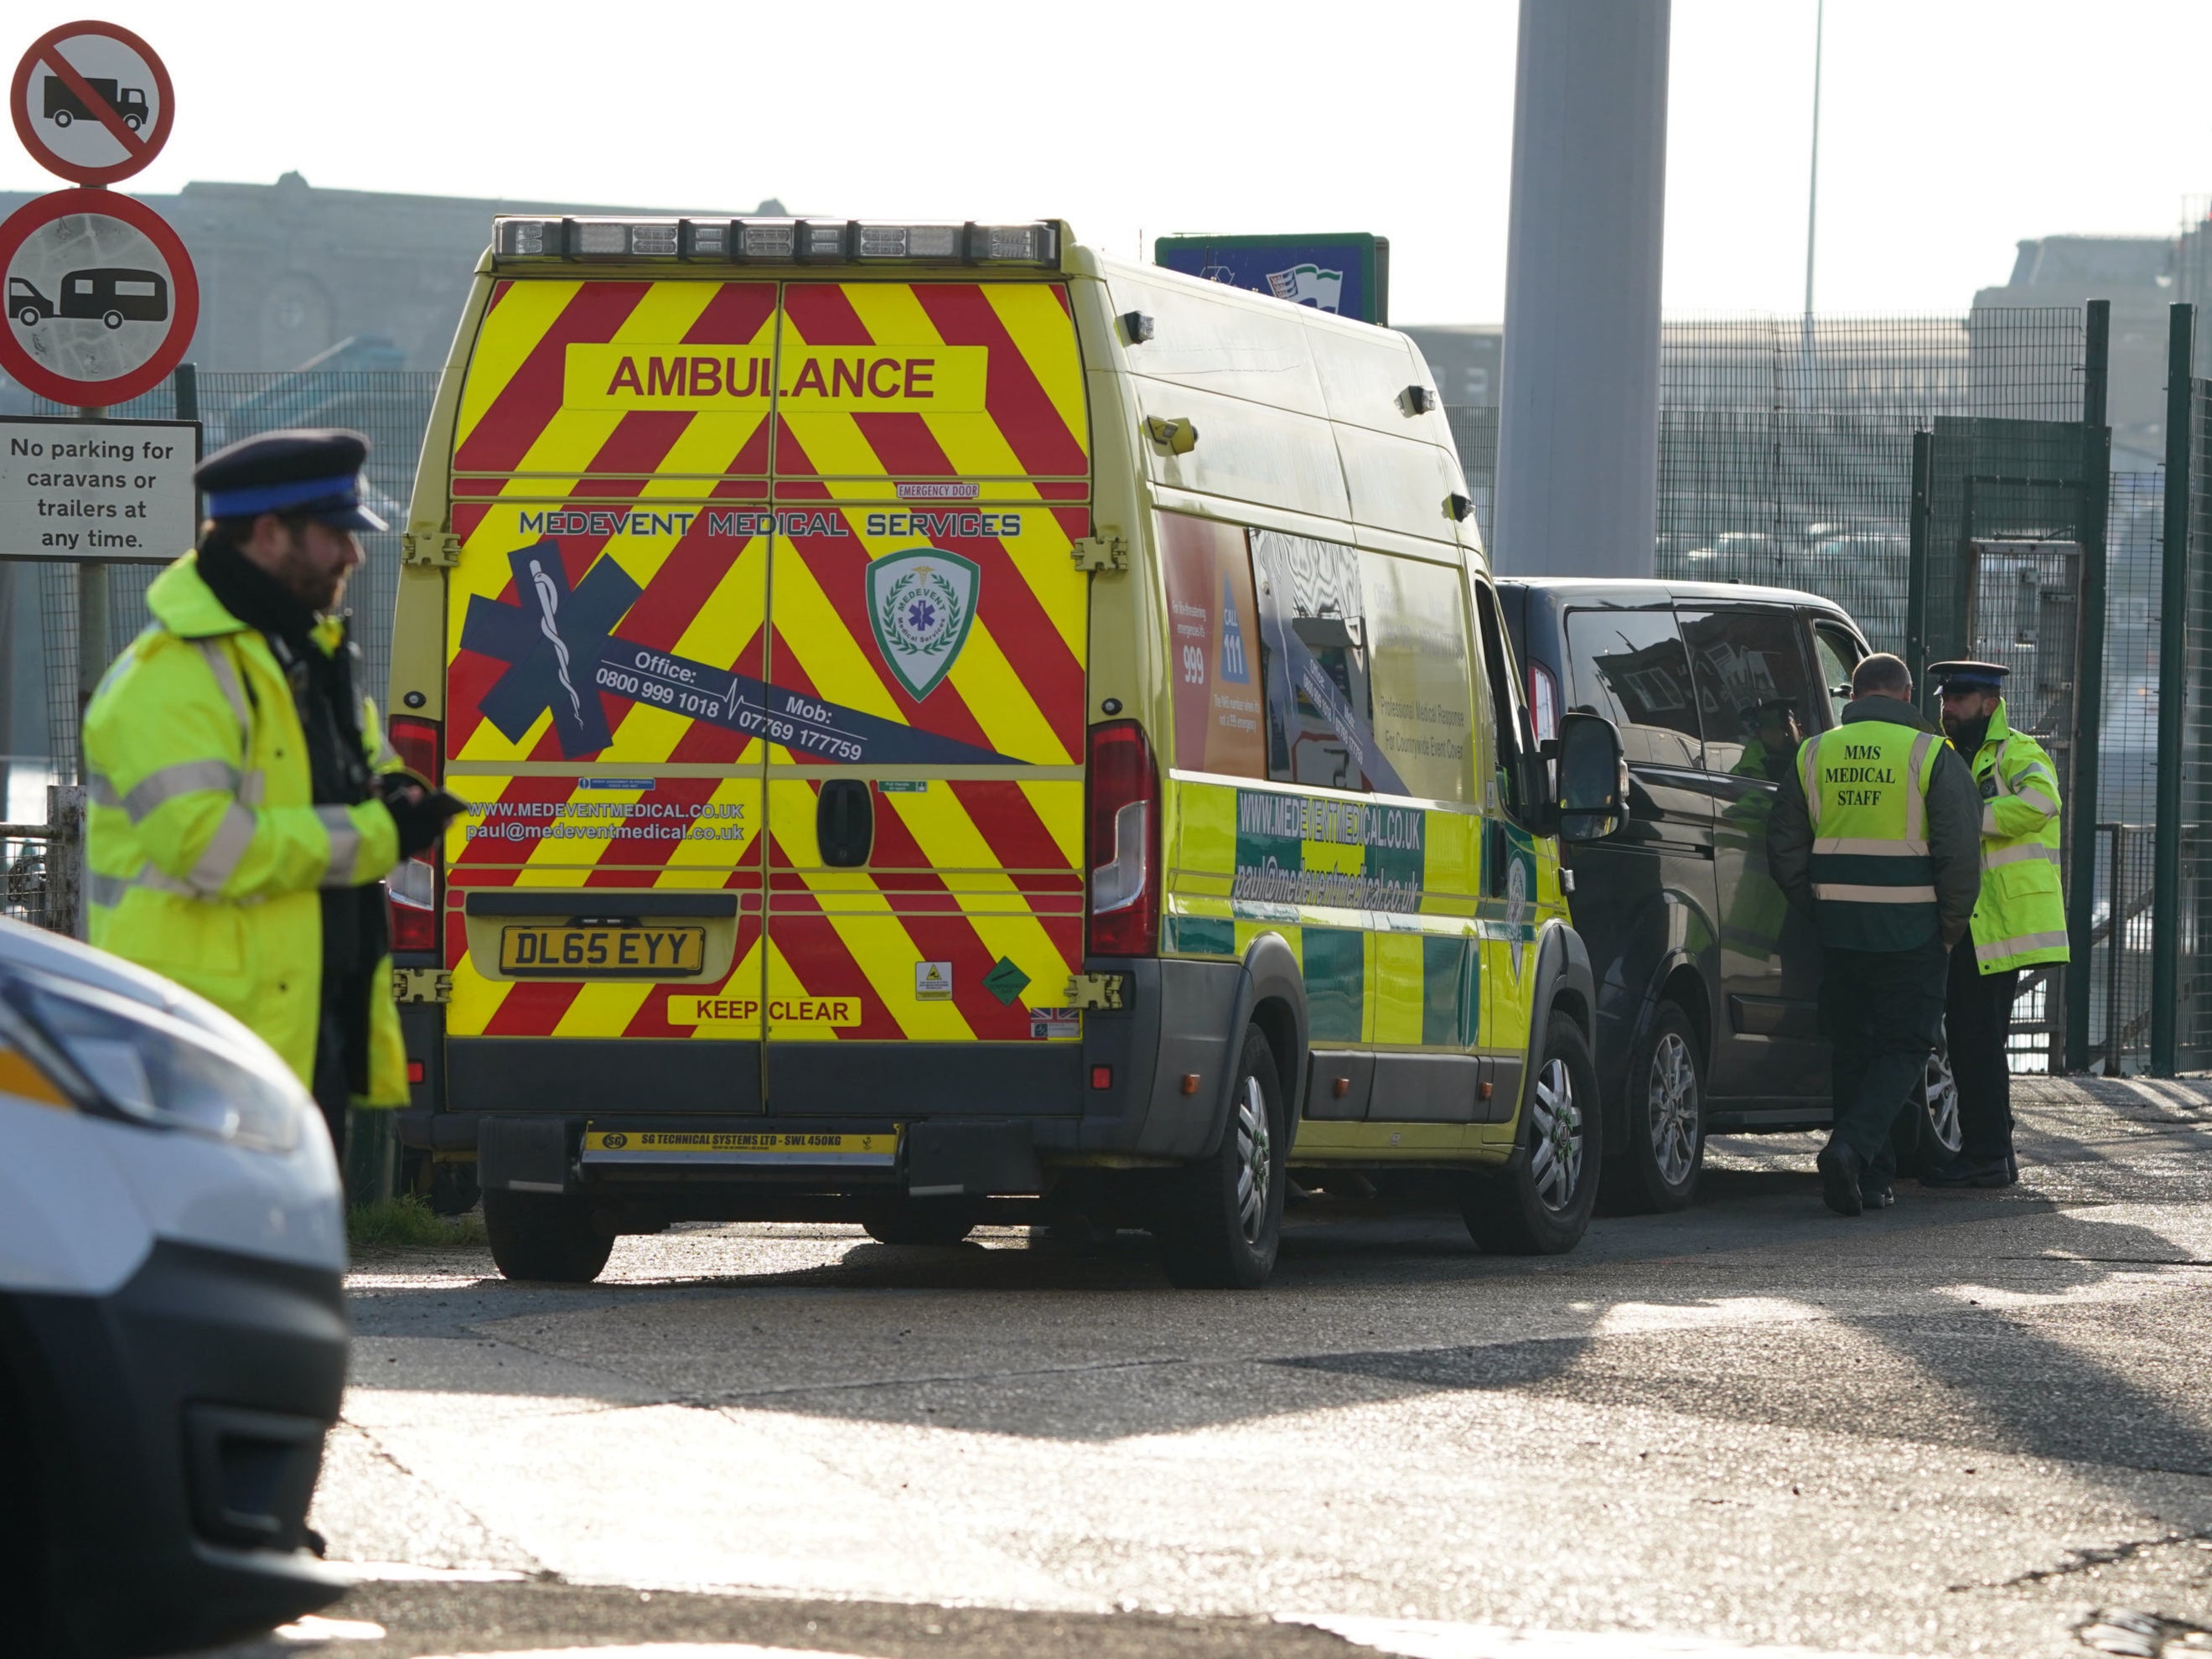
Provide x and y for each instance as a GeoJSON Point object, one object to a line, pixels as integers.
{"type": "Point", "coordinates": [2014, 574]}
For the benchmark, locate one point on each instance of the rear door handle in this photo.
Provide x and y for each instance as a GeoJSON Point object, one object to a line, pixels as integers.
{"type": "Point", "coordinates": [845, 822]}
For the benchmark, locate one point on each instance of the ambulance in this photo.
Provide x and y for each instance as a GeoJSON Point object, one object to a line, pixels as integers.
{"type": "Point", "coordinates": [957, 728]}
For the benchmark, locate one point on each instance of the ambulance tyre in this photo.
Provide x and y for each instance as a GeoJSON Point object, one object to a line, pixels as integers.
{"type": "Point", "coordinates": [920, 1223]}
{"type": "Point", "coordinates": [1541, 1205]}
{"type": "Point", "coordinates": [1224, 1216]}
{"type": "Point", "coordinates": [1657, 1170]}
{"type": "Point", "coordinates": [547, 1237]}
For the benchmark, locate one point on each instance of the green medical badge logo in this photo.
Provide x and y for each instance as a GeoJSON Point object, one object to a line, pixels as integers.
{"type": "Point", "coordinates": [921, 603]}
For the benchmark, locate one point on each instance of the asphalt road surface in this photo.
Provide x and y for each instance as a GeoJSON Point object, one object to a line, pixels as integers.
{"type": "Point", "coordinates": [1978, 1423]}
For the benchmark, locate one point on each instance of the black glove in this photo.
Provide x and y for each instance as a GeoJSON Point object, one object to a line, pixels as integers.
{"type": "Point", "coordinates": [389, 784]}
{"type": "Point", "coordinates": [420, 818]}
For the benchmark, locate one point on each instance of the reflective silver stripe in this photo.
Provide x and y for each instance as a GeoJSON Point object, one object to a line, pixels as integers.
{"type": "Point", "coordinates": [102, 791]}
{"type": "Point", "coordinates": [1811, 751]}
{"type": "Point", "coordinates": [2045, 793]}
{"type": "Point", "coordinates": [1916, 791]}
{"type": "Point", "coordinates": [226, 680]}
{"type": "Point", "coordinates": [106, 891]}
{"type": "Point", "coordinates": [345, 845]}
{"type": "Point", "coordinates": [1990, 819]}
{"type": "Point", "coordinates": [1870, 847]}
{"type": "Point", "coordinates": [224, 850]}
{"type": "Point", "coordinates": [252, 786]}
{"type": "Point", "coordinates": [1997, 950]}
{"type": "Point", "coordinates": [2029, 854]}
{"type": "Point", "coordinates": [1852, 893]}
{"type": "Point", "coordinates": [184, 778]}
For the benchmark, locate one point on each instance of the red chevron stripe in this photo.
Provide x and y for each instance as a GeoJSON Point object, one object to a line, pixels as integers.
{"type": "Point", "coordinates": [817, 956]}
{"type": "Point", "coordinates": [530, 400]}
{"type": "Point", "coordinates": [532, 1008]}
{"type": "Point", "coordinates": [651, 1019]}
{"type": "Point", "coordinates": [1012, 394]}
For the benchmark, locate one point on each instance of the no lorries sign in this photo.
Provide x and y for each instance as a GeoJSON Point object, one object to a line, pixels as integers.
{"type": "Point", "coordinates": [91, 102]}
{"type": "Point", "coordinates": [85, 490]}
{"type": "Point", "coordinates": [102, 299]}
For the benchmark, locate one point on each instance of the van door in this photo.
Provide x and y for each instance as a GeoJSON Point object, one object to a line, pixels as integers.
{"type": "Point", "coordinates": [1758, 702]}
{"type": "Point", "coordinates": [1648, 891]}
{"type": "Point", "coordinates": [606, 655]}
{"type": "Point", "coordinates": [927, 654]}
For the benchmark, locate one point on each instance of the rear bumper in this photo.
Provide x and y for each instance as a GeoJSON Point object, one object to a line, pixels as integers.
{"type": "Point", "coordinates": [179, 1424]}
{"type": "Point", "coordinates": [1120, 1091]}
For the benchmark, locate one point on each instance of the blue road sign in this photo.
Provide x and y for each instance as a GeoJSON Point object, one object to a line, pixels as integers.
{"type": "Point", "coordinates": [1347, 272]}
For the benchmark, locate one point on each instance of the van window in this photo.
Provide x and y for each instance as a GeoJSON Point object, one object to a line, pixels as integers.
{"type": "Point", "coordinates": [1837, 653]}
{"type": "Point", "coordinates": [1313, 635]}
{"type": "Point", "coordinates": [1754, 694]}
{"type": "Point", "coordinates": [1629, 667]}
{"type": "Point", "coordinates": [1418, 658]}
{"type": "Point", "coordinates": [1213, 647]}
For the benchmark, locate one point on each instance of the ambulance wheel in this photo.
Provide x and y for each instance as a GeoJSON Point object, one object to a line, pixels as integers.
{"type": "Point", "coordinates": [1658, 1169]}
{"type": "Point", "coordinates": [544, 1236]}
{"type": "Point", "coordinates": [923, 1223]}
{"type": "Point", "coordinates": [1225, 1213]}
{"type": "Point", "coordinates": [1541, 1206]}
{"type": "Point", "coordinates": [1929, 1136]}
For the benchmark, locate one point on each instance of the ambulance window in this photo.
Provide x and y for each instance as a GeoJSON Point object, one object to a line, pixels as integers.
{"type": "Point", "coordinates": [1754, 696]}
{"type": "Point", "coordinates": [1511, 724]}
{"type": "Point", "coordinates": [1628, 665]}
{"type": "Point", "coordinates": [1213, 647]}
{"type": "Point", "coordinates": [1313, 651]}
{"type": "Point", "coordinates": [1417, 655]}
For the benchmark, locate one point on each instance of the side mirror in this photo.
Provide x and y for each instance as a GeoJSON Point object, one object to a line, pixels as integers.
{"type": "Point", "coordinates": [1593, 799]}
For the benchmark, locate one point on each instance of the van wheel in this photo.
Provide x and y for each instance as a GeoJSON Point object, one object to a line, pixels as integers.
{"type": "Point", "coordinates": [544, 1236]}
{"type": "Point", "coordinates": [1929, 1136]}
{"type": "Point", "coordinates": [1542, 1206]}
{"type": "Point", "coordinates": [1658, 1169]}
{"type": "Point", "coordinates": [1225, 1215]}
{"type": "Point", "coordinates": [923, 1223]}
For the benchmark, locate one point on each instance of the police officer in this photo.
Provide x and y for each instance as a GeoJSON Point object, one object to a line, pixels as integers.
{"type": "Point", "coordinates": [1875, 834]}
{"type": "Point", "coordinates": [2019, 920]}
{"type": "Point", "coordinates": [244, 805]}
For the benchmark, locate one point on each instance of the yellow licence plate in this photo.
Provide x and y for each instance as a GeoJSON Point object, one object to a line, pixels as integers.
{"type": "Point", "coordinates": [647, 951]}
{"type": "Point", "coordinates": [744, 1146]}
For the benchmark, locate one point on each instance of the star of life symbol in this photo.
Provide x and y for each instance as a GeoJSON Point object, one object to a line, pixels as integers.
{"type": "Point", "coordinates": [921, 603]}
{"type": "Point", "coordinates": [1307, 285]}
{"type": "Point", "coordinates": [548, 602]}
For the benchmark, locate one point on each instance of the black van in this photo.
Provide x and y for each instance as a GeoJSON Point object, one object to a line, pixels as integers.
{"type": "Point", "coordinates": [1707, 981]}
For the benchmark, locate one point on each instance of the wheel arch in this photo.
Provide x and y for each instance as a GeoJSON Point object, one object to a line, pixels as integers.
{"type": "Point", "coordinates": [1272, 998]}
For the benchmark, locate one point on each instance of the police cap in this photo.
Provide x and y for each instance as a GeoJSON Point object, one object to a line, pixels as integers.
{"type": "Point", "coordinates": [1968, 676]}
{"type": "Point", "coordinates": [312, 471]}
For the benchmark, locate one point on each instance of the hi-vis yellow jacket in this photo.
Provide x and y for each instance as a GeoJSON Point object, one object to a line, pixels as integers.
{"type": "Point", "coordinates": [2020, 918]}
{"type": "Point", "coordinates": [205, 853]}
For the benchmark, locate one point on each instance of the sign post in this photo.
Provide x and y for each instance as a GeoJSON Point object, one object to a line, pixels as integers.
{"type": "Point", "coordinates": [102, 303]}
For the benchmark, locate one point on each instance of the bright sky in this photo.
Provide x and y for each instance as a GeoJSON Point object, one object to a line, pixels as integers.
{"type": "Point", "coordinates": [1951, 129]}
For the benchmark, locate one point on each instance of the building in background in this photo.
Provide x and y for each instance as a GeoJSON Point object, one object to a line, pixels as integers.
{"type": "Point", "coordinates": [2136, 274]}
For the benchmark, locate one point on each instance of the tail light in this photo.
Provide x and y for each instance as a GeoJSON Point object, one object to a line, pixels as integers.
{"type": "Point", "coordinates": [412, 887]}
{"type": "Point", "coordinates": [1123, 843]}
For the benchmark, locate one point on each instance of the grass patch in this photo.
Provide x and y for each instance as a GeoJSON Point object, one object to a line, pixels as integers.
{"type": "Point", "coordinates": [407, 1223]}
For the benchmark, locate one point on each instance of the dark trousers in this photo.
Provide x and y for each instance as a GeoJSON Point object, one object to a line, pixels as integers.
{"type": "Point", "coordinates": [333, 1093]}
{"type": "Point", "coordinates": [1882, 1011]}
{"type": "Point", "coordinates": [1977, 1017]}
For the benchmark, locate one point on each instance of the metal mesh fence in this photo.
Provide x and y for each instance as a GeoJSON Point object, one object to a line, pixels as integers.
{"type": "Point", "coordinates": [392, 407]}
{"type": "Point", "coordinates": [1785, 450]}
{"type": "Point", "coordinates": [2193, 1028]}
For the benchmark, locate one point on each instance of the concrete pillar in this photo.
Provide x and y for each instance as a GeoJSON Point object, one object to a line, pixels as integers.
{"type": "Point", "coordinates": [1578, 422]}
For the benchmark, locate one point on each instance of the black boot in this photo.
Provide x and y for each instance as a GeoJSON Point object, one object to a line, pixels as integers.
{"type": "Point", "coordinates": [1990, 1172]}
{"type": "Point", "coordinates": [1840, 1169]}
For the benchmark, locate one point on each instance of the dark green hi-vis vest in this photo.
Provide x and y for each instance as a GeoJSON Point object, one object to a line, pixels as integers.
{"type": "Point", "coordinates": [1866, 791]}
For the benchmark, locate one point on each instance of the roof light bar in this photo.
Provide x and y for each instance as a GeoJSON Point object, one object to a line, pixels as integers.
{"type": "Point", "coordinates": [775, 241]}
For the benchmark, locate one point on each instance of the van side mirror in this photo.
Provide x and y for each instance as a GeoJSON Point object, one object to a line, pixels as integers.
{"type": "Point", "coordinates": [1592, 799]}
